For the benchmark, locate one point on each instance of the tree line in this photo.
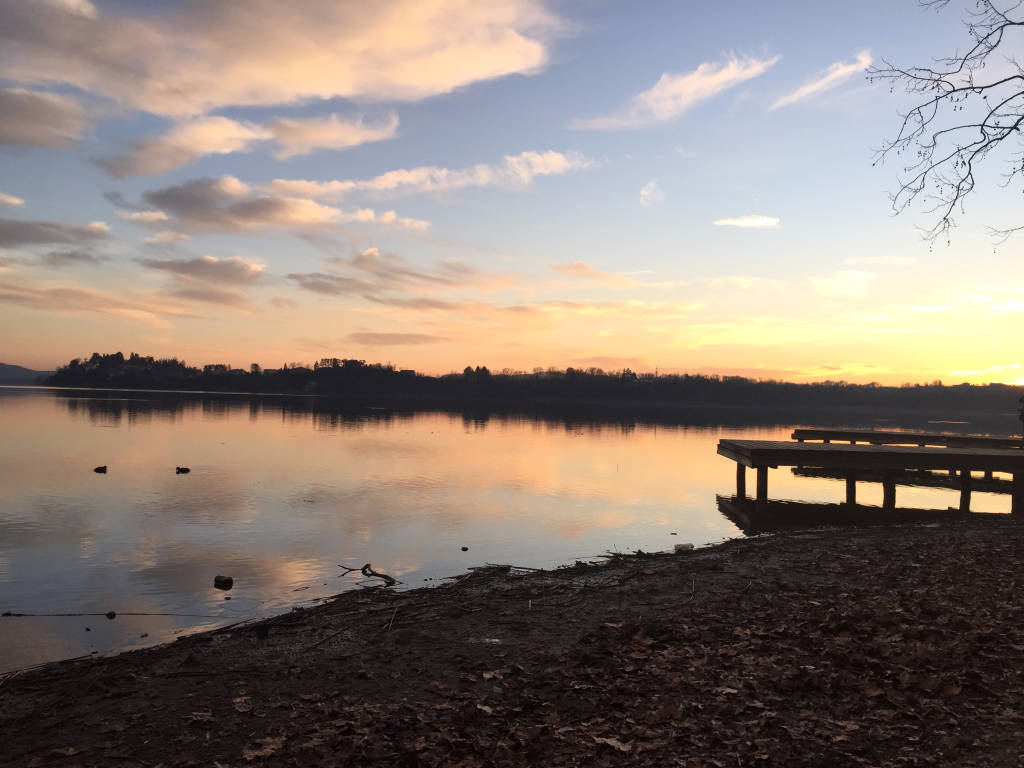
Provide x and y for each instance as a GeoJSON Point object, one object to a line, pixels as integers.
{"type": "Point", "coordinates": [350, 377]}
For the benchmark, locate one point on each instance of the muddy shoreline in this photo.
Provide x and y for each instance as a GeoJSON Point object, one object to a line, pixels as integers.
{"type": "Point", "coordinates": [886, 646]}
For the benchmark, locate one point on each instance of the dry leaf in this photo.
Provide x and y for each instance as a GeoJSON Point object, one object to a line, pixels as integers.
{"type": "Point", "coordinates": [615, 743]}
{"type": "Point", "coordinates": [269, 746]}
{"type": "Point", "coordinates": [242, 704]}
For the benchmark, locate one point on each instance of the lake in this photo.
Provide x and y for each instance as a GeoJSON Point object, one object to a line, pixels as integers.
{"type": "Point", "coordinates": [283, 490]}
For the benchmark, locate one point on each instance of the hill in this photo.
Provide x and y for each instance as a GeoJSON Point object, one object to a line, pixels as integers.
{"type": "Point", "coordinates": [16, 374]}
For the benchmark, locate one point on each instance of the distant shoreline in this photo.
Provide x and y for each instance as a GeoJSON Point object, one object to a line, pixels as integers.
{"type": "Point", "coordinates": [359, 382]}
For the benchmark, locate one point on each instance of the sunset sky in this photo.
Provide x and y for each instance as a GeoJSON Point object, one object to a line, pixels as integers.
{"type": "Point", "coordinates": [672, 186]}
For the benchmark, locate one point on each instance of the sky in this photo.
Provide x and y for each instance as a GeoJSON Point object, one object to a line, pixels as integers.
{"type": "Point", "coordinates": [663, 186]}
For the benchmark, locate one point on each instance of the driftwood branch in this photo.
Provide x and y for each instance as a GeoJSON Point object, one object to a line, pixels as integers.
{"type": "Point", "coordinates": [367, 570]}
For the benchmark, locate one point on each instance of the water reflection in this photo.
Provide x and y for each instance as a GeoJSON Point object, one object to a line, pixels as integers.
{"type": "Point", "coordinates": [774, 516]}
{"type": "Point", "coordinates": [282, 489]}
{"type": "Point", "coordinates": [106, 406]}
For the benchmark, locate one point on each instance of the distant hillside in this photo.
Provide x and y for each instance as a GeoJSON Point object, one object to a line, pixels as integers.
{"type": "Point", "coordinates": [16, 374]}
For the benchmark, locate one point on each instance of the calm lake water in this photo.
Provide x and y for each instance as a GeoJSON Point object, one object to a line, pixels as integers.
{"type": "Point", "coordinates": [281, 490]}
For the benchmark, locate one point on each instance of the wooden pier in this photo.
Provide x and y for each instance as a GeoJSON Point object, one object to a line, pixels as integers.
{"type": "Point", "coordinates": [888, 460]}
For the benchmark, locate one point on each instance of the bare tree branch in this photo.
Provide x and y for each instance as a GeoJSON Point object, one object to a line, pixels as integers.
{"type": "Point", "coordinates": [971, 109]}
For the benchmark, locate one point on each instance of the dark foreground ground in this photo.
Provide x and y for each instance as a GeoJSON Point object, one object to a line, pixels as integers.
{"type": "Point", "coordinates": [883, 647]}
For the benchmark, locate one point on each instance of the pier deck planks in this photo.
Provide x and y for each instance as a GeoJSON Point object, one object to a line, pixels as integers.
{"type": "Point", "coordinates": [880, 437]}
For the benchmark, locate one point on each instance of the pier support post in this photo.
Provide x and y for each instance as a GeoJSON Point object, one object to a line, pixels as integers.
{"type": "Point", "coordinates": [762, 485]}
{"type": "Point", "coordinates": [888, 491]}
{"type": "Point", "coordinates": [988, 474]}
{"type": "Point", "coordinates": [851, 487]}
{"type": "Point", "coordinates": [965, 490]}
{"type": "Point", "coordinates": [741, 481]}
{"type": "Point", "coordinates": [1017, 503]}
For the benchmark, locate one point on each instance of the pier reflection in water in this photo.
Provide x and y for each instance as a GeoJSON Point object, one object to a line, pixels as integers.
{"type": "Point", "coordinates": [282, 490]}
{"type": "Point", "coordinates": [753, 518]}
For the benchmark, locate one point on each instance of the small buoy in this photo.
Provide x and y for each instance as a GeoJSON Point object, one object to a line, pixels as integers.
{"type": "Point", "coordinates": [101, 470]}
{"type": "Point", "coordinates": [465, 549]}
{"type": "Point", "coordinates": [111, 615]}
{"type": "Point", "coordinates": [177, 470]}
{"type": "Point", "coordinates": [88, 630]}
{"type": "Point", "coordinates": [223, 582]}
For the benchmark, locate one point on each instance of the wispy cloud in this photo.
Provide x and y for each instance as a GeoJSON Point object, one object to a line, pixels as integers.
{"type": "Point", "coordinates": [835, 75]}
{"type": "Point", "coordinates": [166, 238]}
{"type": "Point", "coordinates": [755, 221]}
{"type": "Point", "coordinates": [391, 270]}
{"type": "Point", "coordinates": [209, 279]}
{"type": "Point", "coordinates": [583, 271]}
{"type": "Point", "coordinates": [651, 193]}
{"type": "Point", "coordinates": [394, 339]}
{"type": "Point", "coordinates": [366, 215]}
{"type": "Point", "coordinates": [232, 270]}
{"type": "Point", "coordinates": [300, 137]}
{"type": "Point", "coordinates": [63, 299]}
{"type": "Point", "coordinates": [674, 94]}
{"type": "Point", "coordinates": [70, 258]}
{"type": "Point", "coordinates": [1010, 368]}
{"type": "Point", "coordinates": [10, 200]}
{"type": "Point", "coordinates": [143, 217]}
{"type": "Point", "coordinates": [880, 261]}
{"type": "Point", "coordinates": [513, 171]}
{"type": "Point", "coordinates": [14, 232]}
{"type": "Point", "coordinates": [185, 142]}
{"type": "Point", "coordinates": [229, 204]}
{"type": "Point", "coordinates": [40, 119]}
{"type": "Point", "coordinates": [843, 283]}
{"type": "Point", "coordinates": [377, 276]}
{"type": "Point", "coordinates": [191, 139]}
{"type": "Point", "coordinates": [579, 269]}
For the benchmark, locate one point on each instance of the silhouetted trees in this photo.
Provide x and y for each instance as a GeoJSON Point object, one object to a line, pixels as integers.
{"type": "Point", "coordinates": [339, 376]}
